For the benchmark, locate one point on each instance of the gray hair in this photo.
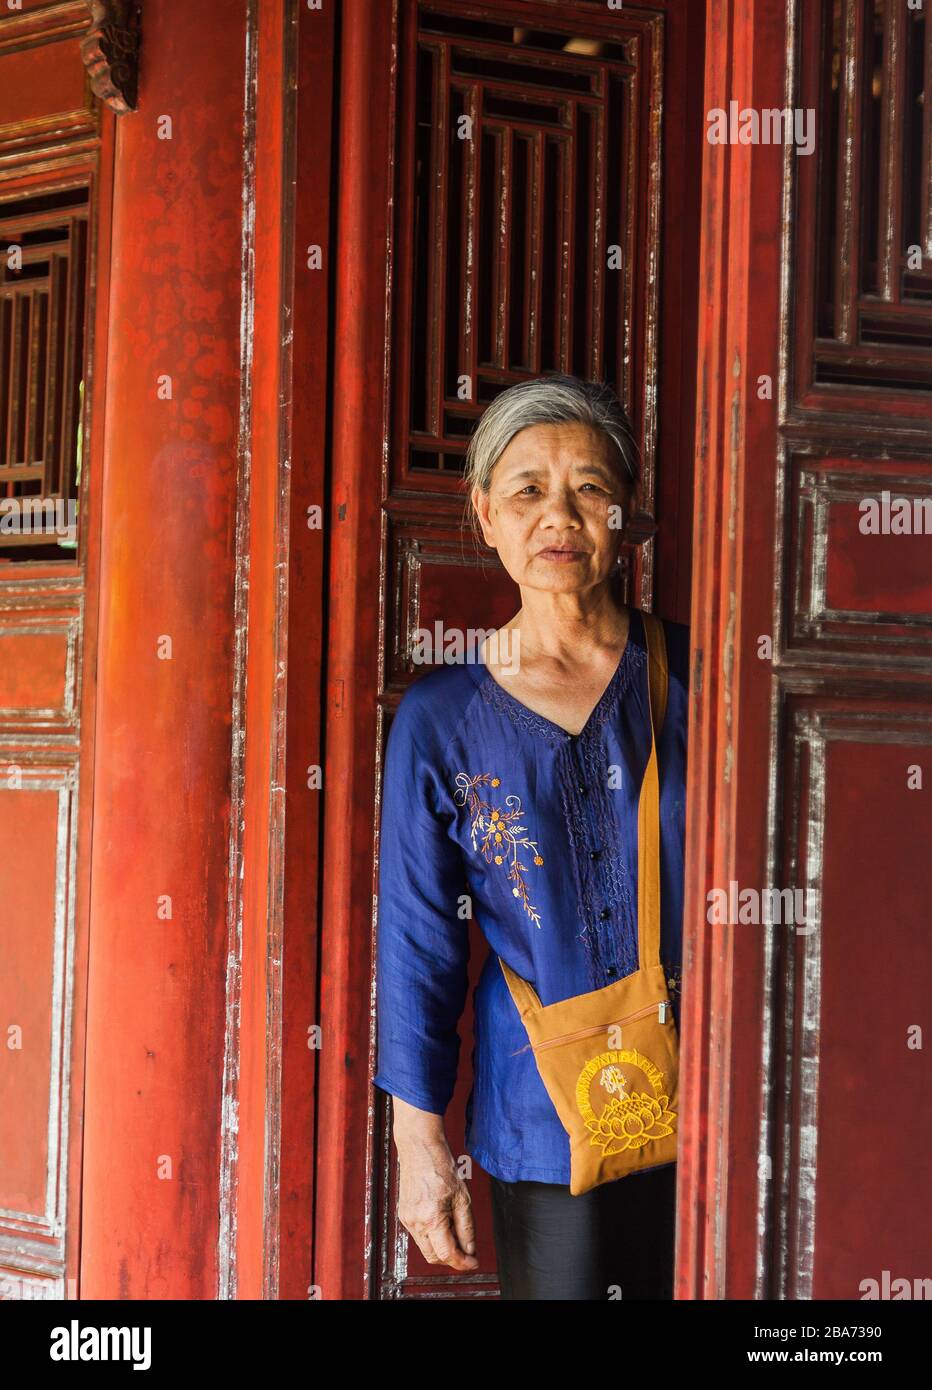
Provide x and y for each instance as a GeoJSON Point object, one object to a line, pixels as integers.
{"type": "Point", "coordinates": [548, 400]}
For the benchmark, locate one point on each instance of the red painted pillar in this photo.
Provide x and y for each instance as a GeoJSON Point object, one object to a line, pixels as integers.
{"type": "Point", "coordinates": [159, 937]}
{"type": "Point", "coordinates": [341, 1268]}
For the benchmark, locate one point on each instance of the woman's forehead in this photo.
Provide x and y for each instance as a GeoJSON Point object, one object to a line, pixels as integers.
{"type": "Point", "coordinates": [570, 441]}
{"type": "Point", "coordinates": [567, 447]}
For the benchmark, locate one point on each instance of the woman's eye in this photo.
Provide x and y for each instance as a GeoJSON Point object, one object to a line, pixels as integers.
{"type": "Point", "coordinates": [532, 488]}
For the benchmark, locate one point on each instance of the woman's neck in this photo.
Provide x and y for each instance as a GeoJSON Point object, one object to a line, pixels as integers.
{"type": "Point", "coordinates": [566, 626]}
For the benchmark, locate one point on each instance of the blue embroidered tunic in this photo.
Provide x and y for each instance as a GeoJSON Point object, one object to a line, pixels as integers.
{"type": "Point", "coordinates": [492, 809]}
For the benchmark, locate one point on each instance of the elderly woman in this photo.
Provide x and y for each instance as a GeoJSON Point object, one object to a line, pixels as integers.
{"type": "Point", "coordinates": [549, 751]}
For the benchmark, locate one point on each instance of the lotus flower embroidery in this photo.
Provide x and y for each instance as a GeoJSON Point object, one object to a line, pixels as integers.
{"type": "Point", "coordinates": [632, 1122]}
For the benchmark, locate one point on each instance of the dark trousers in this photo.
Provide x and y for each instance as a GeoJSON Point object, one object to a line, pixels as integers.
{"type": "Point", "coordinates": [613, 1241]}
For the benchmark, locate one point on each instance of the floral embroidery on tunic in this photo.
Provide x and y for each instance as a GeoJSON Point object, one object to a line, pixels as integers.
{"type": "Point", "coordinates": [497, 835]}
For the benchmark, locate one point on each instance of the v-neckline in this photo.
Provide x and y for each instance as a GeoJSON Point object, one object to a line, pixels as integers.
{"type": "Point", "coordinates": [530, 717]}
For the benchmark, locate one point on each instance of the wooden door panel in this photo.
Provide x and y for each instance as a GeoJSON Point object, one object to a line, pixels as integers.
{"type": "Point", "coordinates": [501, 266]}
{"type": "Point", "coordinates": [858, 615]}
{"type": "Point", "coordinates": [800, 755]}
{"type": "Point", "coordinates": [40, 628]}
{"type": "Point", "coordinates": [56, 151]}
{"type": "Point", "coordinates": [857, 596]}
{"type": "Point", "coordinates": [854, 988]}
{"type": "Point", "coordinates": [38, 816]}
{"type": "Point", "coordinates": [504, 271]}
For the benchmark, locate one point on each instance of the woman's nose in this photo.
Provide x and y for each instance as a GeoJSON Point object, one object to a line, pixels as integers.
{"type": "Point", "coordinates": [560, 510]}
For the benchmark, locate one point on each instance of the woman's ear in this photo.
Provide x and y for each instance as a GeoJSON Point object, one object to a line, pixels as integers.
{"type": "Point", "coordinates": [480, 501]}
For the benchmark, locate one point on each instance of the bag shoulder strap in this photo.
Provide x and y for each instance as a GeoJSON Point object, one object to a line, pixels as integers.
{"type": "Point", "coordinates": [649, 800]}
{"type": "Point", "coordinates": [527, 1000]}
{"type": "Point", "coordinates": [658, 675]}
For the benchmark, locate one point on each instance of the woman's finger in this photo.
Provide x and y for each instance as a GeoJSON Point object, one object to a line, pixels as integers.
{"type": "Point", "coordinates": [463, 1222]}
{"type": "Point", "coordinates": [444, 1240]}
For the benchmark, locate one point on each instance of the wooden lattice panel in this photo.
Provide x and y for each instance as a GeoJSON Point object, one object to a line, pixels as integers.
{"type": "Point", "coordinates": [529, 205]}
{"type": "Point", "coordinates": [43, 268]}
{"type": "Point", "coordinates": [867, 328]}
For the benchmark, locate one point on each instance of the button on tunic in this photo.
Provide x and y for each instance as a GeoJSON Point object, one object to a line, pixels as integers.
{"type": "Point", "coordinates": [491, 809]}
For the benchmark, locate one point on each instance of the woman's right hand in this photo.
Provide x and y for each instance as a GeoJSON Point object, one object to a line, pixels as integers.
{"type": "Point", "coordinates": [434, 1204]}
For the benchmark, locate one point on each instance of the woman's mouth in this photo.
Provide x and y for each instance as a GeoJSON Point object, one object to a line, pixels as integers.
{"type": "Point", "coordinates": [561, 554]}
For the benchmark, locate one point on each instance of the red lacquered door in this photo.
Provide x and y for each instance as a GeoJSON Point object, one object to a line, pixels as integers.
{"type": "Point", "coordinates": [56, 161]}
{"type": "Point", "coordinates": [812, 705]}
{"type": "Point", "coordinates": [524, 180]}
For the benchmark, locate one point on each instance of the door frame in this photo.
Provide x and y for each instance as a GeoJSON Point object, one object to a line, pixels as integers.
{"type": "Point", "coordinates": [346, 1126]}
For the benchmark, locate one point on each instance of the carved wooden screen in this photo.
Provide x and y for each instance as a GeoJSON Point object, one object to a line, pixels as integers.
{"type": "Point", "coordinates": [43, 272]}
{"type": "Point", "coordinates": [862, 346]}
{"type": "Point", "coordinates": [529, 187]}
{"type": "Point", "coordinates": [527, 238]}
{"type": "Point", "coordinates": [866, 69]}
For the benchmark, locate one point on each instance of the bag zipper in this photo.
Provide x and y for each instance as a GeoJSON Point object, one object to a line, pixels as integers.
{"type": "Point", "coordinates": [661, 1006]}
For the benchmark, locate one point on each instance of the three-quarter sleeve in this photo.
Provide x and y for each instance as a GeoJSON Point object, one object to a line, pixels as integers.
{"type": "Point", "coordinates": [422, 935]}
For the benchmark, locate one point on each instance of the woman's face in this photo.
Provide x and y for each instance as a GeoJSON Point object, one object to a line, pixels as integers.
{"type": "Point", "coordinates": [556, 507]}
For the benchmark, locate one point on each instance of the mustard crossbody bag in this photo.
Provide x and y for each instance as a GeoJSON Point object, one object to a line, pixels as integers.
{"type": "Point", "coordinates": [610, 1058]}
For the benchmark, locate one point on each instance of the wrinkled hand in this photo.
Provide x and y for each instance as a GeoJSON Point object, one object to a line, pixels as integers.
{"type": "Point", "coordinates": [434, 1204]}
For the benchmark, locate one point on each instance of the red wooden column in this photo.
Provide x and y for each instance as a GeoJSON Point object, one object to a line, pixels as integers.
{"type": "Point", "coordinates": [157, 990]}
{"type": "Point", "coordinates": [268, 1159]}
{"type": "Point", "coordinates": [364, 181]}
